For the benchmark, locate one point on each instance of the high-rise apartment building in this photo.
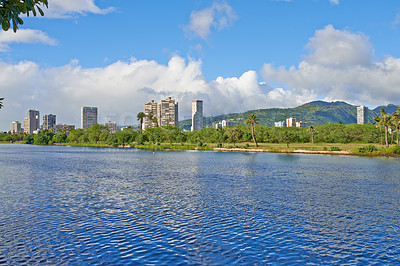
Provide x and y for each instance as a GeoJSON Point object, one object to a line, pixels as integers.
{"type": "Point", "coordinates": [150, 107]}
{"type": "Point", "coordinates": [112, 126]}
{"type": "Point", "coordinates": [49, 121]}
{"type": "Point", "coordinates": [32, 122]}
{"type": "Point", "coordinates": [88, 116]}
{"type": "Point", "coordinates": [15, 127]}
{"type": "Point", "coordinates": [362, 115]}
{"type": "Point", "coordinates": [168, 113]}
{"type": "Point", "coordinates": [197, 115]}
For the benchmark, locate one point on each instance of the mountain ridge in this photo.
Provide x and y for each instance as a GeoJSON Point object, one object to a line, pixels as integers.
{"type": "Point", "coordinates": [314, 113]}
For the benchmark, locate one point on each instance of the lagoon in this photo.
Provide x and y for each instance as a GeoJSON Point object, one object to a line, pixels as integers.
{"type": "Point", "coordinates": [80, 205]}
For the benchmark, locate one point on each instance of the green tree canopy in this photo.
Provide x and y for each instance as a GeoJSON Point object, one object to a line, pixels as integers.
{"type": "Point", "coordinates": [234, 134]}
{"type": "Point", "coordinates": [11, 10]}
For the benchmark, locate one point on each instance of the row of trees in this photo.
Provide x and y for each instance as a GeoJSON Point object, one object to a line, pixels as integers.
{"type": "Point", "coordinates": [329, 133]}
{"type": "Point", "coordinates": [390, 122]}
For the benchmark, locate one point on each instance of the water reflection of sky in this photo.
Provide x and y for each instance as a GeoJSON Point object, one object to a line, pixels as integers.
{"type": "Point", "coordinates": [127, 205]}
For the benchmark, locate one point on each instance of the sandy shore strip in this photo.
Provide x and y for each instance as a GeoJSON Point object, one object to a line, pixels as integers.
{"type": "Point", "coordinates": [290, 151]}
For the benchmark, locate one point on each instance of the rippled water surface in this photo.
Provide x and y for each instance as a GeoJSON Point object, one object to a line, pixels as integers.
{"type": "Point", "coordinates": [73, 205]}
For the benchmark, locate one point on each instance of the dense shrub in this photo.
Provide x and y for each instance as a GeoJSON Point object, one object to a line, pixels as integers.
{"type": "Point", "coordinates": [367, 149]}
{"type": "Point", "coordinates": [395, 149]}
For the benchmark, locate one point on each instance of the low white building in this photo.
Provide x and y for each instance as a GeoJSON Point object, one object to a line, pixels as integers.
{"type": "Point", "coordinates": [280, 124]}
{"type": "Point", "coordinates": [301, 124]}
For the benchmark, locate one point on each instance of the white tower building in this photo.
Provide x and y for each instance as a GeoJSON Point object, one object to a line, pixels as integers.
{"type": "Point", "coordinates": [197, 115]}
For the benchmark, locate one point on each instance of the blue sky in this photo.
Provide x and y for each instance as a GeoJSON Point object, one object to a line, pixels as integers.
{"type": "Point", "coordinates": [234, 55]}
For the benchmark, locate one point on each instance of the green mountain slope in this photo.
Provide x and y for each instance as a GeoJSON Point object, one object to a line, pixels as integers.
{"type": "Point", "coordinates": [314, 113]}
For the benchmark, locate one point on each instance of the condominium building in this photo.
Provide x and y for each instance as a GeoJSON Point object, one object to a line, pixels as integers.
{"type": "Point", "coordinates": [150, 107]}
{"type": "Point", "coordinates": [197, 115]}
{"type": "Point", "coordinates": [291, 122]}
{"type": "Point", "coordinates": [49, 121]}
{"type": "Point", "coordinates": [88, 116]}
{"type": "Point", "coordinates": [32, 122]}
{"type": "Point", "coordinates": [112, 126]}
{"type": "Point", "coordinates": [15, 127]}
{"type": "Point", "coordinates": [168, 113]}
{"type": "Point", "coordinates": [362, 115]}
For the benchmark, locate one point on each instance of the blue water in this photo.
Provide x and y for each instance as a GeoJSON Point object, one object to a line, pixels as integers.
{"type": "Point", "coordinates": [73, 205]}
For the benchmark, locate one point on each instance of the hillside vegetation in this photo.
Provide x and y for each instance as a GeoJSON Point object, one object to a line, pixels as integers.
{"type": "Point", "coordinates": [314, 113]}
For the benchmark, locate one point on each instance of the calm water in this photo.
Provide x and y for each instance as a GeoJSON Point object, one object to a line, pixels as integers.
{"type": "Point", "coordinates": [72, 205]}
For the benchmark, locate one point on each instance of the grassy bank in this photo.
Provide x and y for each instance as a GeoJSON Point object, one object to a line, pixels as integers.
{"type": "Point", "coordinates": [360, 149]}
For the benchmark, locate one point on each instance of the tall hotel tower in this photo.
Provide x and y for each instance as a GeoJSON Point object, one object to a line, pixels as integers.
{"type": "Point", "coordinates": [168, 113]}
{"type": "Point", "coordinates": [88, 116]}
{"type": "Point", "coordinates": [197, 115]}
{"type": "Point", "coordinates": [149, 107]}
{"type": "Point", "coordinates": [49, 121]}
{"type": "Point", "coordinates": [362, 115]}
{"type": "Point", "coordinates": [15, 127]}
{"type": "Point", "coordinates": [32, 122]}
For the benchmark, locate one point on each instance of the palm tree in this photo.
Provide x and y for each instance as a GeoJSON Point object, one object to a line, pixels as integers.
{"type": "Point", "coordinates": [396, 123]}
{"type": "Point", "coordinates": [140, 117]}
{"type": "Point", "coordinates": [221, 132]}
{"type": "Point", "coordinates": [378, 123]}
{"type": "Point", "coordinates": [384, 120]}
{"type": "Point", "coordinates": [150, 117]}
{"type": "Point", "coordinates": [252, 119]}
{"type": "Point", "coordinates": [312, 130]}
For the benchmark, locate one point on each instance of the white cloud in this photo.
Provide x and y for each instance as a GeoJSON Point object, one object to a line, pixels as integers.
{"type": "Point", "coordinates": [339, 48]}
{"type": "Point", "coordinates": [341, 66]}
{"type": "Point", "coordinates": [334, 2]}
{"type": "Point", "coordinates": [219, 16]}
{"type": "Point", "coordinates": [24, 36]}
{"type": "Point", "coordinates": [63, 9]}
{"type": "Point", "coordinates": [121, 89]}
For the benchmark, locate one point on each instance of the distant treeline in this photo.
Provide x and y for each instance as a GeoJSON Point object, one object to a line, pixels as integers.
{"type": "Point", "coordinates": [99, 134]}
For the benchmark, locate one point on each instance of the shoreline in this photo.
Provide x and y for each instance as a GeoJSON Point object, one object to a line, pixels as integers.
{"type": "Point", "coordinates": [192, 147]}
{"type": "Point", "coordinates": [285, 151]}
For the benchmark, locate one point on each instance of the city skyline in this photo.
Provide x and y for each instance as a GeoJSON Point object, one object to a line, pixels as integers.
{"type": "Point", "coordinates": [89, 115]}
{"type": "Point", "coordinates": [235, 55]}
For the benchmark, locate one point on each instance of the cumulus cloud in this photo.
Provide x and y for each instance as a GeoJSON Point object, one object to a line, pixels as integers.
{"type": "Point", "coordinates": [219, 16]}
{"type": "Point", "coordinates": [121, 89]}
{"type": "Point", "coordinates": [24, 36]}
{"type": "Point", "coordinates": [64, 9]}
{"type": "Point", "coordinates": [333, 47]}
{"type": "Point", "coordinates": [341, 66]}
